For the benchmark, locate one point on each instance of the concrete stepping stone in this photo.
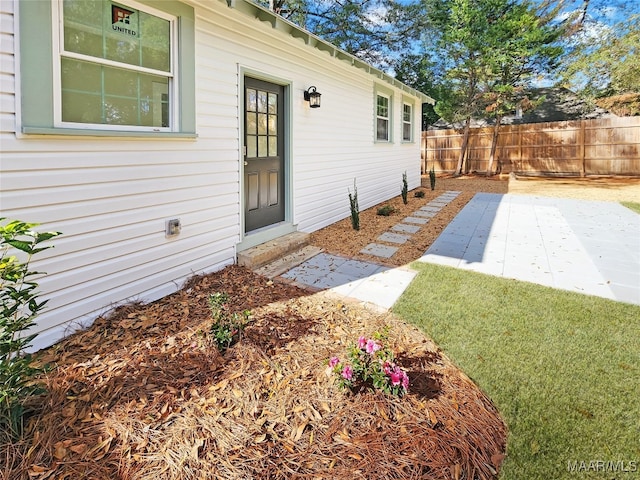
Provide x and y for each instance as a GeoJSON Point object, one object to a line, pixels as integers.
{"type": "Point", "coordinates": [430, 208]}
{"type": "Point", "coordinates": [393, 238]}
{"type": "Point", "coordinates": [378, 250]}
{"type": "Point", "coordinates": [417, 220]}
{"type": "Point", "coordinates": [424, 213]}
{"type": "Point", "coordinates": [404, 228]}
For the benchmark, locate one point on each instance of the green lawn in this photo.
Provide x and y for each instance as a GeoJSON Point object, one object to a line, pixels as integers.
{"type": "Point", "coordinates": [562, 368]}
{"type": "Point", "coordinates": [632, 206]}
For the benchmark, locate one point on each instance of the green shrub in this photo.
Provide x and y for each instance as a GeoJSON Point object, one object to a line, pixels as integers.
{"type": "Point", "coordinates": [386, 210]}
{"type": "Point", "coordinates": [20, 306]}
{"type": "Point", "coordinates": [419, 194]}
{"type": "Point", "coordinates": [405, 188]}
{"type": "Point", "coordinates": [227, 327]}
{"type": "Point", "coordinates": [355, 209]}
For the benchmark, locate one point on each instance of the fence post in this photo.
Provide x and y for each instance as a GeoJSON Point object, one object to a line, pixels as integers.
{"type": "Point", "coordinates": [583, 140]}
{"type": "Point", "coordinates": [519, 147]}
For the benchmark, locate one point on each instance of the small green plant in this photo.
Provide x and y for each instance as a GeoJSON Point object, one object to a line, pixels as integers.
{"type": "Point", "coordinates": [20, 306]}
{"type": "Point", "coordinates": [227, 327]}
{"type": "Point", "coordinates": [370, 364]}
{"type": "Point", "coordinates": [419, 194]}
{"type": "Point", "coordinates": [432, 178]}
{"type": "Point", "coordinates": [386, 210]}
{"type": "Point", "coordinates": [355, 209]}
{"type": "Point", "coordinates": [405, 188]}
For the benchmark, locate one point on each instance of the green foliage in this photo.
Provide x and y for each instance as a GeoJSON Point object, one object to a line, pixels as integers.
{"type": "Point", "coordinates": [20, 306]}
{"type": "Point", "coordinates": [419, 194]}
{"type": "Point", "coordinates": [432, 178]}
{"type": "Point", "coordinates": [371, 365]}
{"type": "Point", "coordinates": [373, 30]}
{"type": "Point", "coordinates": [227, 327]}
{"type": "Point", "coordinates": [355, 209]}
{"type": "Point", "coordinates": [607, 63]}
{"type": "Point", "coordinates": [405, 188]}
{"type": "Point", "coordinates": [386, 210]}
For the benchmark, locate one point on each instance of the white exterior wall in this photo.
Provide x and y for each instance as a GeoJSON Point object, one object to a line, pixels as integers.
{"type": "Point", "coordinates": [110, 196]}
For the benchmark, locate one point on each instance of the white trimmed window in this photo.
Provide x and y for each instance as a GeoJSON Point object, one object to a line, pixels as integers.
{"type": "Point", "coordinates": [407, 122]}
{"type": "Point", "coordinates": [116, 66]}
{"type": "Point", "coordinates": [383, 118]}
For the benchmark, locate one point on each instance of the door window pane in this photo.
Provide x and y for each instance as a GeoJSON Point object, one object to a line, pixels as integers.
{"type": "Point", "coordinates": [262, 146]}
{"type": "Point", "coordinates": [273, 146]}
{"type": "Point", "coordinates": [252, 123]}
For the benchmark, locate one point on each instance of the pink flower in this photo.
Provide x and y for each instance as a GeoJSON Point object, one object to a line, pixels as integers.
{"type": "Point", "coordinates": [405, 381]}
{"type": "Point", "coordinates": [387, 367]}
{"type": "Point", "coordinates": [362, 342]}
{"type": "Point", "coordinates": [372, 346]}
{"type": "Point", "coordinates": [347, 372]}
{"type": "Point", "coordinates": [396, 377]}
{"type": "Point", "coordinates": [333, 361]}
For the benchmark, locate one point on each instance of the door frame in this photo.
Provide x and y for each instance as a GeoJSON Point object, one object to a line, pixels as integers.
{"type": "Point", "coordinates": [248, 240]}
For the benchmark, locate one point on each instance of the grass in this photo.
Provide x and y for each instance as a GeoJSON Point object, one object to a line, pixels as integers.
{"type": "Point", "coordinates": [562, 368]}
{"type": "Point", "coordinates": [635, 206]}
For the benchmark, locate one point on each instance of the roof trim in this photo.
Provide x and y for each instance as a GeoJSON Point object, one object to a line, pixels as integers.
{"type": "Point", "coordinates": [279, 23]}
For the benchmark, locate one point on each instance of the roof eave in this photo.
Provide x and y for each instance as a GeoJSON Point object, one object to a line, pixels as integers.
{"type": "Point", "coordinates": [279, 23]}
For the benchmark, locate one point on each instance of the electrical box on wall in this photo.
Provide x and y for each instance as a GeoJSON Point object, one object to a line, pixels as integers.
{"type": "Point", "coordinates": [172, 227]}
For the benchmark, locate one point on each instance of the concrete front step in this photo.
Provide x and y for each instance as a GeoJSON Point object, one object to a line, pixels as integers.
{"type": "Point", "coordinates": [256, 257]}
{"type": "Point", "coordinates": [287, 262]}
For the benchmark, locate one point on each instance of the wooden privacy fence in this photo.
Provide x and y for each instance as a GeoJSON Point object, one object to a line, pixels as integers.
{"type": "Point", "coordinates": [608, 146]}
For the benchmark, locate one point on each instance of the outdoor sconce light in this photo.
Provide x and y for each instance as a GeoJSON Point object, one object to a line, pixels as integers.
{"type": "Point", "coordinates": [313, 97]}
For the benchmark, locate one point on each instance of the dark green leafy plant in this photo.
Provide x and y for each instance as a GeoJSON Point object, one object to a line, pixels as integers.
{"type": "Point", "coordinates": [419, 194]}
{"type": "Point", "coordinates": [386, 210]}
{"type": "Point", "coordinates": [405, 188]}
{"type": "Point", "coordinates": [227, 327]}
{"type": "Point", "coordinates": [20, 306]}
{"type": "Point", "coordinates": [432, 178]}
{"type": "Point", "coordinates": [355, 209]}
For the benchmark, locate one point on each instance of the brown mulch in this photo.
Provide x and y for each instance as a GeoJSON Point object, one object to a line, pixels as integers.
{"type": "Point", "coordinates": [144, 394]}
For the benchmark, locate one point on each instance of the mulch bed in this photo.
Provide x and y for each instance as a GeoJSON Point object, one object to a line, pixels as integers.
{"type": "Point", "coordinates": [145, 394]}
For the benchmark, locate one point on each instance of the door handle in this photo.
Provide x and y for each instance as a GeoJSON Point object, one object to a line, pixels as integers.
{"type": "Point", "coordinates": [246, 163]}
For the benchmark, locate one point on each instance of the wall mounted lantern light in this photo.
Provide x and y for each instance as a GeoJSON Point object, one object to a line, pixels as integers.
{"type": "Point", "coordinates": [313, 97]}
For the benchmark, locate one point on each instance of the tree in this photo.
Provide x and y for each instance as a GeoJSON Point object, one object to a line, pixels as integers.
{"type": "Point", "coordinates": [605, 60]}
{"type": "Point", "coordinates": [525, 46]}
{"type": "Point", "coordinates": [373, 30]}
{"type": "Point", "coordinates": [463, 43]}
{"type": "Point", "coordinates": [488, 50]}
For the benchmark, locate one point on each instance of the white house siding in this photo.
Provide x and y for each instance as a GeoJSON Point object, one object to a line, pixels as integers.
{"type": "Point", "coordinates": [110, 196]}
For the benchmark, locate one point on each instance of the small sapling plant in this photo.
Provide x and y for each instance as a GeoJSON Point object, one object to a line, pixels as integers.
{"type": "Point", "coordinates": [227, 327]}
{"type": "Point", "coordinates": [355, 209]}
{"type": "Point", "coordinates": [419, 194]}
{"type": "Point", "coordinates": [405, 188]}
{"type": "Point", "coordinates": [20, 306]}
{"type": "Point", "coordinates": [432, 178]}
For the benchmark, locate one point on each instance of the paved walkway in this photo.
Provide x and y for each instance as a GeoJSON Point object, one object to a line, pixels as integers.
{"type": "Point", "coordinates": [587, 247]}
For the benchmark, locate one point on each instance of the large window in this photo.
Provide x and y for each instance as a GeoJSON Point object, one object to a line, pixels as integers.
{"type": "Point", "coordinates": [383, 118]}
{"type": "Point", "coordinates": [115, 65]}
{"type": "Point", "coordinates": [407, 122]}
{"type": "Point", "coordinates": [99, 67]}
